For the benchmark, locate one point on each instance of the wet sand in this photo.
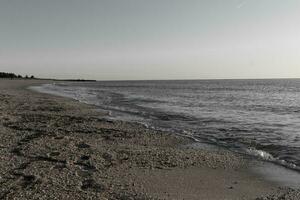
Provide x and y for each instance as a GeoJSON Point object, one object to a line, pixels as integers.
{"type": "Point", "coordinates": [56, 148]}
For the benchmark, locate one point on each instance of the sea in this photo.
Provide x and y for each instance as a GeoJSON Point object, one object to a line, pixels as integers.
{"type": "Point", "coordinates": [260, 118]}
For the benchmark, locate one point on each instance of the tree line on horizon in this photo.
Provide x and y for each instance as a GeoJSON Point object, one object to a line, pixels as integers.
{"type": "Point", "coordinates": [14, 76]}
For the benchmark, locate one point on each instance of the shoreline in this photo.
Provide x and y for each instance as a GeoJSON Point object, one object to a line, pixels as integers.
{"type": "Point", "coordinates": [59, 148]}
{"type": "Point", "coordinates": [253, 155]}
{"type": "Point", "coordinates": [115, 114]}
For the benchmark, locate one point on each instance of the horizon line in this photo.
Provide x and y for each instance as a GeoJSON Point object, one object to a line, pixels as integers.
{"type": "Point", "coordinates": [200, 79]}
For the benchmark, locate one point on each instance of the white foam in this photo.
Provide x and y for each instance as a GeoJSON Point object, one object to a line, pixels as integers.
{"type": "Point", "coordinates": [268, 157]}
{"type": "Point", "coordinates": [259, 153]}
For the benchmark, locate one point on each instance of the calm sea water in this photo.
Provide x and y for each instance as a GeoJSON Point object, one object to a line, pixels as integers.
{"type": "Point", "coordinates": [257, 117]}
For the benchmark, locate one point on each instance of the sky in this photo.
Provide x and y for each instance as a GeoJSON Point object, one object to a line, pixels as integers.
{"type": "Point", "coordinates": [151, 39]}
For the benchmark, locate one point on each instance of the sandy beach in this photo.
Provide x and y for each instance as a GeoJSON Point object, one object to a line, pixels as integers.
{"type": "Point", "coordinates": [57, 148]}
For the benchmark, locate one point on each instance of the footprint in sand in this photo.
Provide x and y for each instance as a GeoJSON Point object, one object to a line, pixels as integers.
{"type": "Point", "coordinates": [92, 185]}
{"type": "Point", "coordinates": [83, 145]}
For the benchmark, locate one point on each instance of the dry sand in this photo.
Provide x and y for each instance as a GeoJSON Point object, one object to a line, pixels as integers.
{"type": "Point", "coordinates": [57, 148]}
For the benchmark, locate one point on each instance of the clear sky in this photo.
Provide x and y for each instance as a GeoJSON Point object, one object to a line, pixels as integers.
{"type": "Point", "coordinates": [151, 39]}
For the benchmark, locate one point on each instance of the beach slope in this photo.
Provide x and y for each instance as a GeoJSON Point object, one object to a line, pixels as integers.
{"type": "Point", "coordinates": [56, 148]}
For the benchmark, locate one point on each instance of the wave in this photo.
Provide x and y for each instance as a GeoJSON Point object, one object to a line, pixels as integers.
{"type": "Point", "coordinates": [268, 157]}
{"type": "Point", "coordinates": [260, 153]}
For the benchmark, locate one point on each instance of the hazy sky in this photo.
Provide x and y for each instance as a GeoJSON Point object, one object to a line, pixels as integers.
{"type": "Point", "coordinates": [151, 39]}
